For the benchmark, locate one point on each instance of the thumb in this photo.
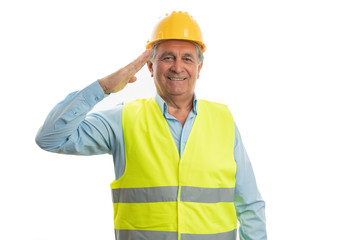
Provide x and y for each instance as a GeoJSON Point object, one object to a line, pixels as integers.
{"type": "Point", "coordinates": [133, 79]}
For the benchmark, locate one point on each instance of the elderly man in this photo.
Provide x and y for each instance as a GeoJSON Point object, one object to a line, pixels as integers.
{"type": "Point", "coordinates": [181, 169]}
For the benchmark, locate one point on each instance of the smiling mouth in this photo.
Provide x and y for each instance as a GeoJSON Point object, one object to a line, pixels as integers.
{"type": "Point", "coordinates": [176, 79]}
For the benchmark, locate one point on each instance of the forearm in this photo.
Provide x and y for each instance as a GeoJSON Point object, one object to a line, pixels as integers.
{"type": "Point", "coordinates": [252, 220]}
{"type": "Point", "coordinates": [67, 122]}
{"type": "Point", "coordinates": [250, 207]}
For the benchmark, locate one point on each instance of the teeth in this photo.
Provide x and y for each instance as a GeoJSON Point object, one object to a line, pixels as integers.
{"type": "Point", "coordinates": [176, 79]}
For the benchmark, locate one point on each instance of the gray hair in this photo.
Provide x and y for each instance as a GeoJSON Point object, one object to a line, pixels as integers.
{"type": "Point", "coordinates": [199, 53]}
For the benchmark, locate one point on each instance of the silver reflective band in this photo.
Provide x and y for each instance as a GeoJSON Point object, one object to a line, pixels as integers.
{"type": "Point", "coordinates": [207, 195]}
{"type": "Point", "coordinates": [143, 234]}
{"type": "Point", "coordinates": [169, 194]}
{"type": "Point", "coordinates": [145, 195]}
{"type": "Point", "coordinates": [163, 235]}
{"type": "Point", "coordinates": [217, 236]}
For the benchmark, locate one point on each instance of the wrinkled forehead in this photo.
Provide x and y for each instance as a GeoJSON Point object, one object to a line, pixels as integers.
{"type": "Point", "coordinates": [176, 48]}
{"type": "Point", "coordinates": [177, 45]}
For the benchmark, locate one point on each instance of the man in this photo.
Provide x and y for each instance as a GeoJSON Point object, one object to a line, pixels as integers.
{"type": "Point", "coordinates": [181, 169]}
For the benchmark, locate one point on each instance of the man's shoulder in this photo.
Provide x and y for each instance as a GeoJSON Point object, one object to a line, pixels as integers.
{"type": "Point", "coordinates": [139, 102]}
{"type": "Point", "coordinates": [214, 108]}
{"type": "Point", "coordinates": [140, 105]}
{"type": "Point", "coordinates": [212, 104]}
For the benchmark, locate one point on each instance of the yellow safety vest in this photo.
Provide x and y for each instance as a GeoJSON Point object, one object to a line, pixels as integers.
{"type": "Point", "coordinates": [164, 197]}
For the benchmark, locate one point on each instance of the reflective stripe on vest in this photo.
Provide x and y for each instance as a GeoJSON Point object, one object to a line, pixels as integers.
{"type": "Point", "coordinates": [161, 196]}
{"type": "Point", "coordinates": [159, 235]}
{"type": "Point", "coordinates": [170, 194]}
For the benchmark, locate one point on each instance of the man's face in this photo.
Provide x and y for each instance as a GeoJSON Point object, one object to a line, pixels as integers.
{"type": "Point", "coordinates": [175, 69]}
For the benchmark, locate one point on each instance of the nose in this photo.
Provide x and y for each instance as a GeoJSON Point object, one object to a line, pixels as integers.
{"type": "Point", "coordinates": [177, 66]}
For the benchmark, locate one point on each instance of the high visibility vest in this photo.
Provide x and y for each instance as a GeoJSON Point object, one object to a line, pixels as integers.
{"type": "Point", "coordinates": [164, 197]}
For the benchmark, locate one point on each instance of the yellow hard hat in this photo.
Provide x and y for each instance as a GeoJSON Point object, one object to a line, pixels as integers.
{"type": "Point", "coordinates": [177, 25]}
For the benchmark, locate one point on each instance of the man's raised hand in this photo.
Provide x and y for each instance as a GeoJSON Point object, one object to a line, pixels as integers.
{"type": "Point", "coordinates": [119, 79]}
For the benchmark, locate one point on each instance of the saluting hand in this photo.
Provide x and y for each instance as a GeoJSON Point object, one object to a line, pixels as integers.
{"type": "Point", "coordinates": [119, 79]}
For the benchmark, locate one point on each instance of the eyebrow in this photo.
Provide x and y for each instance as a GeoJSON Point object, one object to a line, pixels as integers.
{"type": "Point", "coordinates": [169, 53]}
{"type": "Point", "coordinates": [188, 55]}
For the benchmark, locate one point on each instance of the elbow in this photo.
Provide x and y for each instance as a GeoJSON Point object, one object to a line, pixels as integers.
{"type": "Point", "coordinates": [252, 207]}
{"type": "Point", "coordinates": [40, 140]}
{"type": "Point", "coordinates": [43, 141]}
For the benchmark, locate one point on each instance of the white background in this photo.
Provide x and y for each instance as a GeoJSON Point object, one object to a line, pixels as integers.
{"type": "Point", "coordinates": [289, 70]}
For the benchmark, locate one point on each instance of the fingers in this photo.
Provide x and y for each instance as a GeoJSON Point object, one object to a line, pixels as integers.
{"type": "Point", "coordinates": [139, 62]}
{"type": "Point", "coordinates": [133, 79]}
{"type": "Point", "coordinates": [119, 79]}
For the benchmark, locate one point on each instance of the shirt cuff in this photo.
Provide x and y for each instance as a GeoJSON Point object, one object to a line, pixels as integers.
{"type": "Point", "coordinates": [93, 94]}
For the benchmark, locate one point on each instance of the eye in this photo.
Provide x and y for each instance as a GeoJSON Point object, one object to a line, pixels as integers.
{"type": "Point", "coordinates": [188, 59]}
{"type": "Point", "coordinates": [168, 59]}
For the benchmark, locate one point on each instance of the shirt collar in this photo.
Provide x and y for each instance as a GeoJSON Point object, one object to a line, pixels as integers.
{"type": "Point", "coordinates": [164, 108]}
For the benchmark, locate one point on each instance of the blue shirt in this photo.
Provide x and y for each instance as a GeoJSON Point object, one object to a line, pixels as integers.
{"type": "Point", "coordinates": [70, 129]}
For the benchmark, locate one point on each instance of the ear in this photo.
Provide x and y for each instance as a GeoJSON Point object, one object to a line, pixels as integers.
{"type": "Point", "coordinates": [199, 68]}
{"type": "Point", "coordinates": [150, 67]}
